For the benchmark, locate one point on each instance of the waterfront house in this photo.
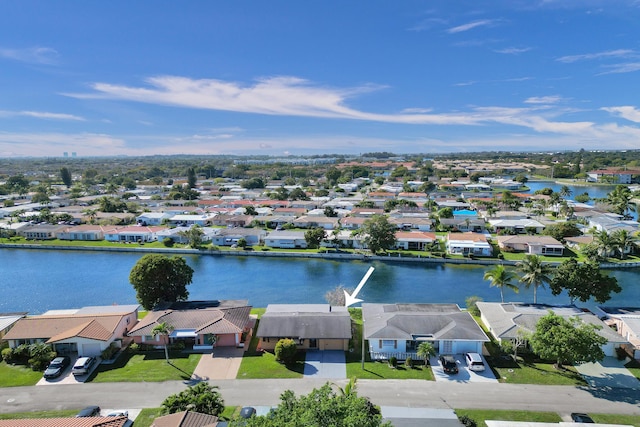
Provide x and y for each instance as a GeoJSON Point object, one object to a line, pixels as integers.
{"type": "Point", "coordinates": [176, 234]}
{"type": "Point", "coordinates": [285, 239]}
{"type": "Point", "coordinates": [231, 236]}
{"type": "Point", "coordinates": [468, 244]}
{"type": "Point", "coordinates": [86, 232]}
{"type": "Point", "coordinates": [41, 231]}
{"type": "Point", "coordinates": [512, 321]}
{"type": "Point", "coordinates": [200, 325]}
{"type": "Point", "coordinates": [414, 240]}
{"type": "Point", "coordinates": [398, 329]}
{"type": "Point", "coordinates": [85, 332]}
{"type": "Point", "coordinates": [133, 234]}
{"type": "Point", "coordinates": [613, 176]}
{"type": "Point", "coordinates": [7, 320]}
{"type": "Point", "coordinates": [532, 245]}
{"type": "Point", "coordinates": [311, 326]}
{"type": "Point", "coordinates": [626, 321]}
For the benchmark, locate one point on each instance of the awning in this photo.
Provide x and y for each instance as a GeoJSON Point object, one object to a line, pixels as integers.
{"type": "Point", "coordinates": [184, 333]}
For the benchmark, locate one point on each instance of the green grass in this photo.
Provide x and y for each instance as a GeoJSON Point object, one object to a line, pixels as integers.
{"type": "Point", "coordinates": [17, 375]}
{"type": "Point", "coordinates": [41, 414]}
{"type": "Point", "coordinates": [258, 311]}
{"type": "Point", "coordinates": [262, 364]}
{"type": "Point", "coordinates": [146, 417]}
{"type": "Point", "coordinates": [634, 367]}
{"type": "Point", "coordinates": [632, 420]}
{"type": "Point", "coordinates": [84, 243]}
{"type": "Point", "coordinates": [377, 370]}
{"type": "Point", "coordinates": [480, 415]}
{"type": "Point", "coordinates": [147, 366]}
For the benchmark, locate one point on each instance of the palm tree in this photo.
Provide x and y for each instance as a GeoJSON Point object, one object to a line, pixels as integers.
{"type": "Point", "coordinates": [604, 243]}
{"type": "Point", "coordinates": [534, 272]}
{"type": "Point", "coordinates": [565, 192]}
{"type": "Point", "coordinates": [501, 278]}
{"type": "Point", "coordinates": [163, 329]}
{"type": "Point", "coordinates": [623, 242]}
{"type": "Point", "coordinates": [426, 350]}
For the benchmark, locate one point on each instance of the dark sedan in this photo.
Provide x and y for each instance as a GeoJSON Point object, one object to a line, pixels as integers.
{"type": "Point", "coordinates": [57, 367]}
{"type": "Point", "coordinates": [449, 364]}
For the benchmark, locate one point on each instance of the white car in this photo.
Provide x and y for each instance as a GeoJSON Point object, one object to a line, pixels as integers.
{"type": "Point", "coordinates": [474, 362]}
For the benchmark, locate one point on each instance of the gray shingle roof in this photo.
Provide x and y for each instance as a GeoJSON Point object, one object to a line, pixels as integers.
{"type": "Point", "coordinates": [414, 321]}
{"type": "Point", "coordinates": [305, 321]}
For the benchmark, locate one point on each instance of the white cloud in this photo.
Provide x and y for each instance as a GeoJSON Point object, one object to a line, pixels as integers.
{"type": "Point", "coordinates": [628, 67]}
{"type": "Point", "coordinates": [513, 50]}
{"type": "Point", "coordinates": [34, 55]}
{"type": "Point", "coordinates": [470, 26]}
{"type": "Point", "coordinates": [626, 112]}
{"type": "Point", "coordinates": [543, 99]}
{"type": "Point", "coordinates": [618, 53]}
{"type": "Point", "coordinates": [41, 115]}
{"type": "Point", "coordinates": [54, 144]}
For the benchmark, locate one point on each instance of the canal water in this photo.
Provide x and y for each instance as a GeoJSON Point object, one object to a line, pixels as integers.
{"type": "Point", "coordinates": [38, 280]}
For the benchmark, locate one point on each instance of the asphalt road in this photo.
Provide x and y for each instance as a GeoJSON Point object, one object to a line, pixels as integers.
{"type": "Point", "coordinates": [403, 393]}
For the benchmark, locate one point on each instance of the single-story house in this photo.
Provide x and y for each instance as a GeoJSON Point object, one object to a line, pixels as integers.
{"type": "Point", "coordinates": [86, 232]}
{"type": "Point", "coordinates": [186, 419]}
{"type": "Point", "coordinates": [508, 321]}
{"type": "Point", "coordinates": [311, 326]}
{"type": "Point", "coordinates": [611, 222]}
{"type": "Point", "coordinates": [352, 222]}
{"type": "Point", "coordinates": [398, 329]}
{"type": "Point", "coordinates": [153, 218]}
{"type": "Point", "coordinates": [519, 226]}
{"type": "Point", "coordinates": [533, 245]}
{"type": "Point", "coordinates": [412, 223]}
{"type": "Point", "coordinates": [176, 234]}
{"type": "Point", "coordinates": [468, 244]}
{"type": "Point", "coordinates": [7, 320]}
{"type": "Point", "coordinates": [627, 322]}
{"type": "Point", "coordinates": [41, 231]}
{"type": "Point", "coordinates": [453, 204]}
{"type": "Point", "coordinates": [309, 221]}
{"type": "Point", "coordinates": [232, 220]}
{"type": "Point", "coordinates": [286, 239]}
{"type": "Point", "coordinates": [476, 225]}
{"type": "Point", "coordinates": [96, 421]}
{"type": "Point", "coordinates": [133, 234]}
{"type": "Point", "coordinates": [85, 332]}
{"type": "Point", "coordinates": [414, 240]}
{"type": "Point", "coordinates": [231, 236]}
{"type": "Point", "coordinates": [344, 239]}
{"type": "Point", "coordinates": [201, 325]}
{"type": "Point", "coordinates": [187, 220]}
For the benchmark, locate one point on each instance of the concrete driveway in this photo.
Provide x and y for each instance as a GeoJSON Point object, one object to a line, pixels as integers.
{"type": "Point", "coordinates": [464, 375]}
{"type": "Point", "coordinates": [325, 364]}
{"type": "Point", "coordinates": [609, 373]}
{"type": "Point", "coordinates": [222, 364]}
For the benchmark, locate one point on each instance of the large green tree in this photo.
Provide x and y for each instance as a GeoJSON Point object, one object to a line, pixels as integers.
{"type": "Point", "coordinates": [194, 236]}
{"type": "Point", "coordinates": [567, 340]}
{"type": "Point", "coordinates": [314, 237]}
{"type": "Point", "coordinates": [501, 278]}
{"type": "Point", "coordinates": [379, 233]}
{"type": "Point", "coordinates": [202, 397]}
{"type": "Point", "coordinates": [65, 175]}
{"type": "Point", "coordinates": [534, 273]}
{"type": "Point", "coordinates": [159, 278]}
{"type": "Point", "coordinates": [322, 407]}
{"type": "Point", "coordinates": [583, 281]}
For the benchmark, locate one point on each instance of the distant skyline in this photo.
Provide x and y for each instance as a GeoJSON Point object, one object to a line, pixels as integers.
{"type": "Point", "coordinates": [285, 77]}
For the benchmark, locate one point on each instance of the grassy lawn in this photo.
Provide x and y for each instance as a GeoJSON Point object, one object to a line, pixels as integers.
{"type": "Point", "coordinates": [85, 243]}
{"type": "Point", "coordinates": [480, 415]}
{"type": "Point", "coordinates": [40, 414]}
{"type": "Point", "coordinates": [147, 366]}
{"type": "Point", "coordinates": [16, 375]}
{"type": "Point", "coordinates": [632, 420]}
{"type": "Point", "coordinates": [262, 364]}
{"type": "Point", "coordinates": [377, 370]}
{"type": "Point", "coordinates": [146, 417]}
{"type": "Point", "coordinates": [634, 368]}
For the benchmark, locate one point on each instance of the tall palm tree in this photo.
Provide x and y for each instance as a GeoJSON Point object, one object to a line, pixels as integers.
{"type": "Point", "coordinates": [426, 350]}
{"type": "Point", "coordinates": [565, 192]}
{"type": "Point", "coordinates": [623, 242]}
{"type": "Point", "coordinates": [605, 244]}
{"type": "Point", "coordinates": [534, 273]}
{"type": "Point", "coordinates": [163, 329]}
{"type": "Point", "coordinates": [501, 278]}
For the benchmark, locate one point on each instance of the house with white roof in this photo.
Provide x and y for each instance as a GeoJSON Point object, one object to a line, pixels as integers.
{"type": "Point", "coordinates": [468, 244]}
{"type": "Point", "coordinates": [285, 239]}
{"type": "Point", "coordinates": [626, 320]}
{"type": "Point", "coordinates": [153, 218]}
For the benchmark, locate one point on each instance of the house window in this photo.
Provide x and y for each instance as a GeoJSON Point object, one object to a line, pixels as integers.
{"type": "Point", "coordinates": [149, 338]}
{"type": "Point", "coordinates": [389, 343]}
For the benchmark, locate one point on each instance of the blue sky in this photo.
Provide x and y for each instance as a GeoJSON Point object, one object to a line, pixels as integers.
{"type": "Point", "coordinates": [297, 77]}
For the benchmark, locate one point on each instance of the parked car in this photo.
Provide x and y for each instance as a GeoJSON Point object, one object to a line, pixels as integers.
{"type": "Point", "coordinates": [89, 411]}
{"type": "Point", "coordinates": [474, 361]}
{"type": "Point", "coordinates": [247, 412]}
{"type": "Point", "coordinates": [83, 366]}
{"type": "Point", "coordinates": [449, 364]}
{"type": "Point", "coordinates": [118, 414]}
{"type": "Point", "coordinates": [582, 418]}
{"type": "Point", "coordinates": [57, 367]}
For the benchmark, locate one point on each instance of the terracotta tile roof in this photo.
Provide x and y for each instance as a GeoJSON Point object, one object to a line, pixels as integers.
{"type": "Point", "coordinates": [409, 235]}
{"type": "Point", "coordinates": [49, 326]}
{"type": "Point", "coordinates": [186, 419]}
{"type": "Point", "coordinates": [66, 422]}
{"type": "Point", "coordinates": [476, 237]}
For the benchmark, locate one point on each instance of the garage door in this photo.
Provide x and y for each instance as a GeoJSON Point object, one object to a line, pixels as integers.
{"type": "Point", "coordinates": [91, 350]}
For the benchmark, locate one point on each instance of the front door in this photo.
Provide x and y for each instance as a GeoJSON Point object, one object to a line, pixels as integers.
{"type": "Point", "coordinates": [313, 343]}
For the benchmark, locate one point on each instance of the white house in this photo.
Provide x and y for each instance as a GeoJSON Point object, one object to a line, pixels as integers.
{"type": "Point", "coordinates": [133, 234]}
{"type": "Point", "coordinates": [153, 218]}
{"type": "Point", "coordinates": [286, 240]}
{"type": "Point", "coordinates": [468, 244]}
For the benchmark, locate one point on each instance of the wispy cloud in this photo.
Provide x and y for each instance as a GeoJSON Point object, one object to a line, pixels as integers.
{"type": "Point", "coordinates": [628, 67]}
{"type": "Point", "coordinates": [513, 50]}
{"type": "Point", "coordinates": [626, 112]}
{"type": "Point", "coordinates": [48, 144]}
{"type": "Point", "coordinates": [33, 55]}
{"type": "Point", "coordinates": [618, 53]}
{"type": "Point", "coordinates": [427, 24]}
{"type": "Point", "coordinates": [470, 26]}
{"type": "Point", "coordinates": [41, 115]}
{"type": "Point", "coordinates": [543, 99]}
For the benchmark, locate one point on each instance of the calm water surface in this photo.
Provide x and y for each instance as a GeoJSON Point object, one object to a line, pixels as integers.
{"type": "Point", "coordinates": [39, 280]}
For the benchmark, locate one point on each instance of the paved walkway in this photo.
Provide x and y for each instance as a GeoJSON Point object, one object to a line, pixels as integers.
{"type": "Point", "coordinates": [609, 373]}
{"type": "Point", "coordinates": [325, 364]}
{"type": "Point", "coordinates": [464, 375]}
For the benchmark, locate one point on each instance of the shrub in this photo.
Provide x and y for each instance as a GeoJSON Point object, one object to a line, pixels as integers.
{"type": "Point", "coordinates": [621, 353]}
{"type": "Point", "coordinates": [178, 346]}
{"type": "Point", "coordinates": [286, 350]}
{"type": "Point", "coordinates": [109, 352]}
{"type": "Point", "coordinates": [133, 348]}
{"type": "Point", "coordinates": [408, 363]}
{"type": "Point", "coordinates": [168, 242]}
{"type": "Point", "coordinates": [39, 356]}
{"type": "Point", "coordinates": [467, 422]}
{"type": "Point", "coordinates": [393, 361]}
{"type": "Point", "coordinates": [8, 355]}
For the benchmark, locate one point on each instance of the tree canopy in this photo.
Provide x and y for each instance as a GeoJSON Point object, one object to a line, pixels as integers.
{"type": "Point", "coordinates": [314, 237]}
{"type": "Point", "coordinates": [321, 407]}
{"type": "Point", "coordinates": [202, 397]}
{"type": "Point", "coordinates": [158, 278]}
{"type": "Point", "coordinates": [534, 273]}
{"type": "Point", "coordinates": [501, 278]}
{"type": "Point", "coordinates": [567, 340]}
{"type": "Point", "coordinates": [583, 281]}
{"type": "Point", "coordinates": [379, 233]}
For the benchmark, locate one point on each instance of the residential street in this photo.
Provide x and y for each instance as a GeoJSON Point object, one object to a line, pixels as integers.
{"type": "Point", "coordinates": [405, 393]}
